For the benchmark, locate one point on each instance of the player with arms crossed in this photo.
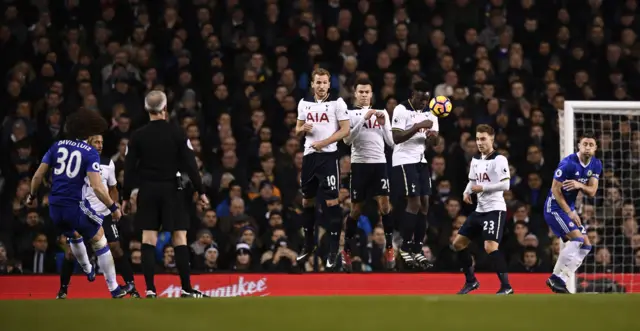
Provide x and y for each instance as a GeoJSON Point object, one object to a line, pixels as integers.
{"type": "Point", "coordinates": [370, 131]}
{"type": "Point", "coordinates": [324, 120]}
{"type": "Point", "coordinates": [576, 172]}
{"type": "Point", "coordinates": [488, 178]}
{"type": "Point", "coordinates": [72, 160]}
{"type": "Point", "coordinates": [411, 126]}
{"type": "Point", "coordinates": [123, 267]}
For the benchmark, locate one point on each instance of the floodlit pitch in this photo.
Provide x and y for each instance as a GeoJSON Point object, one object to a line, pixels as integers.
{"type": "Point", "coordinates": [474, 312]}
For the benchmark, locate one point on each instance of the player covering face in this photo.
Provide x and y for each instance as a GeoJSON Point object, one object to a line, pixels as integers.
{"type": "Point", "coordinates": [577, 172]}
{"type": "Point", "coordinates": [488, 179]}
{"type": "Point", "coordinates": [413, 128]}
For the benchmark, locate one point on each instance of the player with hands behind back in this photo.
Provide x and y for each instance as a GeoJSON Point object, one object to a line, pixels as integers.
{"type": "Point", "coordinates": [488, 178]}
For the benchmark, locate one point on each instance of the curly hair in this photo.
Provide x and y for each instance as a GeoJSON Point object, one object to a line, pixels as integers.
{"type": "Point", "coordinates": [85, 123]}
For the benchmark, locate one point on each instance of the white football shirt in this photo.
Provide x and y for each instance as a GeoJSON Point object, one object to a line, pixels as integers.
{"type": "Point", "coordinates": [325, 117]}
{"type": "Point", "coordinates": [412, 150]}
{"type": "Point", "coordinates": [108, 176]}
{"type": "Point", "coordinates": [489, 169]}
{"type": "Point", "coordinates": [368, 138]}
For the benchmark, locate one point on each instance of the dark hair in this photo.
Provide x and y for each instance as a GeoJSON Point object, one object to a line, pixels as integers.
{"type": "Point", "coordinates": [589, 135]}
{"type": "Point", "coordinates": [485, 128]}
{"type": "Point", "coordinates": [266, 157]}
{"type": "Point", "coordinates": [530, 249]}
{"type": "Point", "coordinates": [421, 86]}
{"type": "Point", "coordinates": [362, 81]}
{"type": "Point", "coordinates": [85, 123]}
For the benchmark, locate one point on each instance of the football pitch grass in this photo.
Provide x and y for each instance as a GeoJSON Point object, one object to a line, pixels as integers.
{"type": "Point", "coordinates": [387, 313]}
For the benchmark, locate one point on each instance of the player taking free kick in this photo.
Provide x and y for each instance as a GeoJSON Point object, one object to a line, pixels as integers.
{"type": "Point", "coordinates": [324, 120]}
{"type": "Point", "coordinates": [488, 178]}
{"type": "Point", "coordinates": [72, 160]}
{"type": "Point", "coordinates": [576, 172]}
{"type": "Point", "coordinates": [370, 131]}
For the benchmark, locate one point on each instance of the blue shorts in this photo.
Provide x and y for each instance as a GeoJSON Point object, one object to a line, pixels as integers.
{"type": "Point", "coordinates": [80, 218]}
{"type": "Point", "coordinates": [560, 223]}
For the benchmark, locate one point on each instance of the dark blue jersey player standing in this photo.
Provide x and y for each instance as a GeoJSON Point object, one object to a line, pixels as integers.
{"type": "Point", "coordinates": [71, 161]}
{"type": "Point", "coordinates": [576, 172]}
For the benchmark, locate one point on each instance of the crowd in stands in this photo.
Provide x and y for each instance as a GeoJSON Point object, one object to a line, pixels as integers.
{"type": "Point", "coordinates": [235, 70]}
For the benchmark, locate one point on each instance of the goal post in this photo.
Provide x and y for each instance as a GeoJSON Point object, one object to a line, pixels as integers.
{"type": "Point", "coordinates": [604, 118]}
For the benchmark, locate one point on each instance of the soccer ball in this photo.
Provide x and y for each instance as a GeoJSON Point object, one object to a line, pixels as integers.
{"type": "Point", "coordinates": [440, 106]}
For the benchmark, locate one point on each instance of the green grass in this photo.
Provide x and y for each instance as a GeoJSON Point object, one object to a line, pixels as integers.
{"type": "Point", "coordinates": [388, 313]}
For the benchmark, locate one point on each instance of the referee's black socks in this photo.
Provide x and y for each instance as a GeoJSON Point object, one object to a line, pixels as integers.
{"type": "Point", "coordinates": [408, 229]}
{"type": "Point", "coordinates": [308, 226]}
{"type": "Point", "coordinates": [182, 263]}
{"type": "Point", "coordinates": [149, 265]}
{"type": "Point", "coordinates": [335, 226]}
{"type": "Point", "coordinates": [500, 266]}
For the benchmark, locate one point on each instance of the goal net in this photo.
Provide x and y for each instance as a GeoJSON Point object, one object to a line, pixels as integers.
{"type": "Point", "coordinates": [611, 218]}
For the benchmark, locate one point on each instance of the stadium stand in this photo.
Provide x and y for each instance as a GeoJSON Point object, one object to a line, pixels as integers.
{"type": "Point", "coordinates": [234, 72]}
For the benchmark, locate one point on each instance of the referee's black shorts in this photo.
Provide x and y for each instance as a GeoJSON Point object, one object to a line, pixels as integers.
{"type": "Point", "coordinates": [161, 207]}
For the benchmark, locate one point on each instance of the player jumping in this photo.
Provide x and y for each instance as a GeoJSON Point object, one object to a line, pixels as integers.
{"type": "Point", "coordinates": [410, 128]}
{"type": "Point", "coordinates": [370, 131]}
{"type": "Point", "coordinates": [108, 176]}
{"type": "Point", "coordinates": [576, 172]}
{"type": "Point", "coordinates": [488, 178]}
{"type": "Point", "coordinates": [324, 120]}
{"type": "Point", "coordinates": [72, 160]}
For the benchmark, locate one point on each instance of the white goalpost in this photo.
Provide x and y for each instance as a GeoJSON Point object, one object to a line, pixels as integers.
{"type": "Point", "coordinates": [612, 213]}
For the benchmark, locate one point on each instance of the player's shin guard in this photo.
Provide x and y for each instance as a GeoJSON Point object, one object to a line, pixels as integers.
{"type": "Point", "coordinates": [108, 267]}
{"type": "Point", "coordinates": [123, 267]}
{"type": "Point", "coordinates": [80, 252]}
{"type": "Point", "coordinates": [308, 226]}
{"type": "Point", "coordinates": [335, 225]}
{"type": "Point", "coordinates": [149, 265]}
{"type": "Point", "coordinates": [408, 229]}
{"type": "Point", "coordinates": [500, 266]}
{"type": "Point", "coordinates": [387, 225]}
{"type": "Point", "coordinates": [351, 229]}
{"type": "Point", "coordinates": [419, 233]}
{"type": "Point", "coordinates": [66, 272]}
{"type": "Point", "coordinates": [182, 263]}
{"type": "Point", "coordinates": [466, 263]}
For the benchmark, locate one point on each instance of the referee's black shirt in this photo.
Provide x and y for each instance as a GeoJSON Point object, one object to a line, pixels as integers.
{"type": "Point", "coordinates": [157, 151]}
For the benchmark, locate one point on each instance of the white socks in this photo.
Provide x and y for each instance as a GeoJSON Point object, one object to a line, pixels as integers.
{"type": "Point", "coordinates": [80, 252]}
{"type": "Point", "coordinates": [108, 267]}
{"type": "Point", "coordinates": [570, 258]}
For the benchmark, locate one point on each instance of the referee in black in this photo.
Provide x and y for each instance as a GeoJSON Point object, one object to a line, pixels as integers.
{"type": "Point", "coordinates": [155, 155]}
